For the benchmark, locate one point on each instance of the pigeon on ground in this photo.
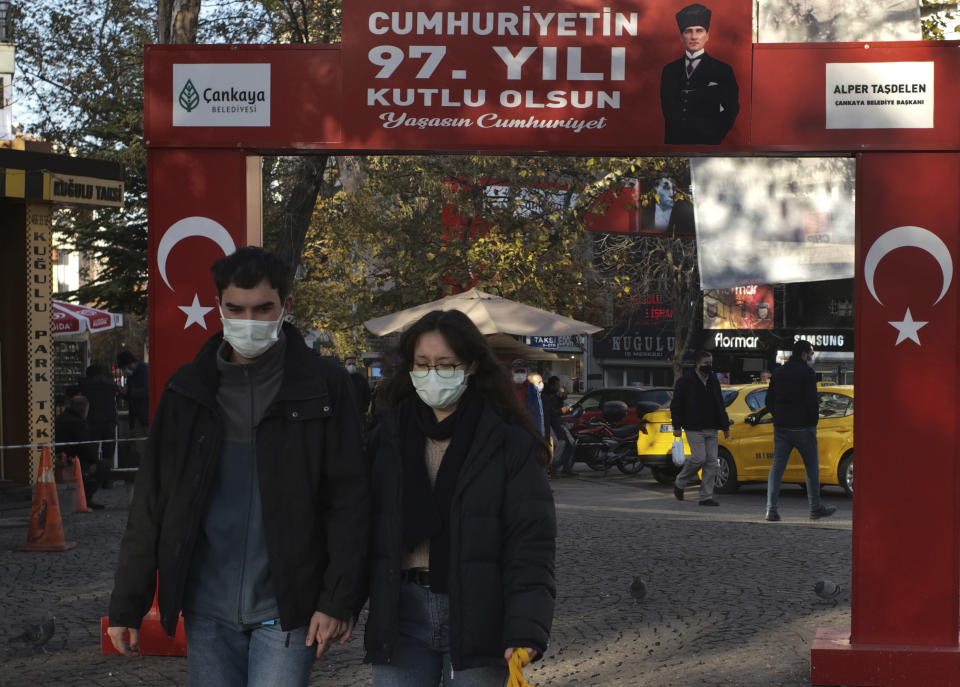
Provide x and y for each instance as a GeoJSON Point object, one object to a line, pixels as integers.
{"type": "Point", "coordinates": [638, 589]}
{"type": "Point", "coordinates": [828, 590]}
{"type": "Point", "coordinates": [37, 635]}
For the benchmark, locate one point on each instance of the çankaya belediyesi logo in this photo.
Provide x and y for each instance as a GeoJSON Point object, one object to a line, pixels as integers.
{"type": "Point", "coordinates": [189, 98]}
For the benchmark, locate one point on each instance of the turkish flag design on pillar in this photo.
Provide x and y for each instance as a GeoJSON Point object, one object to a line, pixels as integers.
{"type": "Point", "coordinates": [197, 214]}
{"type": "Point", "coordinates": [905, 543]}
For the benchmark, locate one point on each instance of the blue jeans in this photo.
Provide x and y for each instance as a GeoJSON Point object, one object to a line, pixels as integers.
{"type": "Point", "coordinates": [804, 439]}
{"type": "Point", "coordinates": [222, 654]}
{"type": "Point", "coordinates": [421, 657]}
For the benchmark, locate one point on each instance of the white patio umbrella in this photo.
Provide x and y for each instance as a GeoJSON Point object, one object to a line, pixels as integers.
{"type": "Point", "coordinates": [70, 318]}
{"type": "Point", "coordinates": [491, 314]}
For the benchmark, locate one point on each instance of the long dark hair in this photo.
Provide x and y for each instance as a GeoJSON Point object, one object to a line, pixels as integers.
{"type": "Point", "coordinates": [490, 379]}
{"type": "Point", "coordinates": [552, 387]}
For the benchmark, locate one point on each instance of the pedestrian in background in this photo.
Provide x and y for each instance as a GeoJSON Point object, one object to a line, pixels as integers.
{"type": "Point", "coordinates": [137, 391]}
{"type": "Point", "coordinates": [792, 400]}
{"type": "Point", "coordinates": [553, 410]}
{"type": "Point", "coordinates": [527, 387]}
{"type": "Point", "coordinates": [464, 531]}
{"type": "Point", "coordinates": [102, 393]}
{"type": "Point", "coordinates": [361, 386]}
{"type": "Point", "coordinates": [697, 408]}
{"type": "Point", "coordinates": [251, 508]}
{"type": "Point", "coordinates": [72, 435]}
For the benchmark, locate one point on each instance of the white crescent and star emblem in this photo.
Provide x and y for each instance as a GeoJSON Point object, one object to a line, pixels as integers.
{"type": "Point", "coordinates": [185, 228]}
{"type": "Point", "coordinates": [903, 237]}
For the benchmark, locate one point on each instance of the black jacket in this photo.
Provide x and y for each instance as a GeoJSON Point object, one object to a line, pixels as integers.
{"type": "Point", "coordinates": [701, 108]}
{"type": "Point", "coordinates": [792, 396]}
{"type": "Point", "coordinates": [70, 428]}
{"type": "Point", "coordinates": [502, 543]}
{"type": "Point", "coordinates": [313, 487]}
{"type": "Point", "coordinates": [102, 394]}
{"type": "Point", "coordinates": [696, 405]}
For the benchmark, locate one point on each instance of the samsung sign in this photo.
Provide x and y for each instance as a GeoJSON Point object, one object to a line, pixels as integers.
{"type": "Point", "coordinates": [221, 95]}
{"type": "Point", "coordinates": [819, 341]}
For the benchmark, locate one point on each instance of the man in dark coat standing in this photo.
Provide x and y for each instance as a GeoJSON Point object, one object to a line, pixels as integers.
{"type": "Point", "coordinates": [792, 399]}
{"type": "Point", "coordinates": [251, 510]}
{"type": "Point", "coordinates": [699, 95]}
{"type": "Point", "coordinates": [697, 408]}
{"type": "Point", "coordinates": [102, 418]}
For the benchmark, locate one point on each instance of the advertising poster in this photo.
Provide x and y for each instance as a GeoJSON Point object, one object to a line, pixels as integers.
{"type": "Point", "coordinates": [742, 307]}
{"type": "Point", "coordinates": [773, 220]}
{"type": "Point", "coordinates": [582, 75]}
{"type": "Point", "coordinates": [624, 212]}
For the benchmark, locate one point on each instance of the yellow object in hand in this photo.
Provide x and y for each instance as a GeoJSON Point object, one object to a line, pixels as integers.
{"type": "Point", "coordinates": [518, 660]}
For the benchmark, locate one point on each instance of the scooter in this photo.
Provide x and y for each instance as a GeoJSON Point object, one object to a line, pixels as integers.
{"type": "Point", "coordinates": [602, 445]}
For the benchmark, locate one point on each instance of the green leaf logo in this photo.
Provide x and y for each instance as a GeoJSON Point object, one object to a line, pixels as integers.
{"type": "Point", "coordinates": [189, 98]}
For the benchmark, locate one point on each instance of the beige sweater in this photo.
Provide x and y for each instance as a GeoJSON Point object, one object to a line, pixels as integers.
{"type": "Point", "coordinates": [419, 556]}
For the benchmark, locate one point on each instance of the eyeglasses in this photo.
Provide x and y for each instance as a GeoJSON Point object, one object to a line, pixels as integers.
{"type": "Point", "coordinates": [444, 370]}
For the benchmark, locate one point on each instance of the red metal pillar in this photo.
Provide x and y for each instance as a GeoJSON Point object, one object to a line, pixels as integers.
{"type": "Point", "coordinates": [906, 552]}
{"type": "Point", "coordinates": [203, 205]}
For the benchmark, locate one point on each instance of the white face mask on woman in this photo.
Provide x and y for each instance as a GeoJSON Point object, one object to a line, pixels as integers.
{"type": "Point", "coordinates": [436, 391]}
{"type": "Point", "coordinates": [251, 338]}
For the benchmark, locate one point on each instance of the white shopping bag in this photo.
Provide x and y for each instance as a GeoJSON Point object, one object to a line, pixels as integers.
{"type": "Point", "coordinates": [676, 451]}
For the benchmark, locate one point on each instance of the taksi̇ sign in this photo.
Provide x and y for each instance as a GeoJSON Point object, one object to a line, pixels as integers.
{"type": "Point", "coordinates": [221, 95]}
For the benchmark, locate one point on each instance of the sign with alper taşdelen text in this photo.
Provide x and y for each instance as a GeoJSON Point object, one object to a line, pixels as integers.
{"type": "Point", "coordinates": [587, 75]}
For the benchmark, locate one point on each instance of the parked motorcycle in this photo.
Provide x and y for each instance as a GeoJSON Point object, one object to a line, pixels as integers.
{"type": "Point", "coordinates": [603, 445]}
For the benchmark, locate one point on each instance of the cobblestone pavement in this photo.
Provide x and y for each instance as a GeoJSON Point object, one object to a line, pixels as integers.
{"type": "Point", "coordinates": [730, 598]}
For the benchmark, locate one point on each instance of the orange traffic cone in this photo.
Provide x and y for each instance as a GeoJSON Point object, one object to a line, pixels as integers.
{"type": "Point", "coordinates": [82, 506]}
{"type": "Point", "coordinates": [46, 525]}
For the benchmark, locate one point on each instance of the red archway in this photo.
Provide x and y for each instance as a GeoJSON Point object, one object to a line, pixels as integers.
{"type": "Point", "coordinates": [410, 78]}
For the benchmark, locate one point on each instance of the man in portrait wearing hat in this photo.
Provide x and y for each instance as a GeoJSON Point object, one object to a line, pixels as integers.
{"type": "Point", "coordinates": [699, 95]}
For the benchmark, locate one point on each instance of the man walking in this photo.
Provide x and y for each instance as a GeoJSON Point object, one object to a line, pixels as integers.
{"type": "Point", "coordinates": [792, 399]}
{"type": "Point", "coordinates": [699, 95]}
{"type": "Point", "coordinates": [251, 508]}
{"type": "Point", "coordinates": [697, 408]}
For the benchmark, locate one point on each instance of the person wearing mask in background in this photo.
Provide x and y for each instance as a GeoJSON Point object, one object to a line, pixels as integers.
{"type": "Point", "coordinates": [72, 435]}
{"type": "Point", "coordinates": [553, 410]}
{"type": "Point", "coordinates": [792, 400]}
{"type": "Point", "coordinates": [361, 387]}
{"type": "Point", "coordinates": [102, 393]}
{"type": "Point", "coordinates": [251, 510]}
{"type": "Point", "coordinates": [527, 387]}
{"type": "Point", "coordinates": [462, 570]}
{"type": "Point", "coordinates": [697, 408]}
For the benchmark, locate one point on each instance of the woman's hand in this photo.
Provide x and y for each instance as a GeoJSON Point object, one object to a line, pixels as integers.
{"type": "Point", "coordinates": [532, 653]}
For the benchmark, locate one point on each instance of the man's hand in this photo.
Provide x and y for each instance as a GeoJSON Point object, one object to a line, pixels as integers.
{"type": "Point", "coordinates": [532, 653]}
{"type": "Point", "coordinates": [726, 434]}
{"type": "Point", "coordinates": [326, 630]}
{"type": "Point", "coordinates": [116, 638]}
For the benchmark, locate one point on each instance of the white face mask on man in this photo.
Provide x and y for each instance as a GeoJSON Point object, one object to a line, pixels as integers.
{"type": "Point", "coordinates": [251, 338]}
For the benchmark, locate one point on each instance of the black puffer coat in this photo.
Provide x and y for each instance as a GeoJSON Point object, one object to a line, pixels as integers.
{"type": "Point", "coordinates": [502, 544]}
{"type": "Point", "coordinates": [314, 491]}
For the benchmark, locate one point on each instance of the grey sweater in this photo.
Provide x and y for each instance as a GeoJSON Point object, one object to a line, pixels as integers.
{"type": "Point", "coordinates": [229, 576]}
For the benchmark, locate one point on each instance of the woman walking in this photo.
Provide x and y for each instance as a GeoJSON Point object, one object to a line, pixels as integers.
{"type": "Point", "coordinates": [464, 522]}
{"type": "Point", "coordinates": [553, 410]}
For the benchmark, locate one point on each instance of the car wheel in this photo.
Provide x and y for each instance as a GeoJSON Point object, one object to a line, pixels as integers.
{"type": "Point", "coordinates": [845, 473]}
{"type": "Point", "coordinates": [726, 482]}
{"type": "Point", "coordinates": [665, 475]}
{"type": "Point", "coordinates": [629, 465]}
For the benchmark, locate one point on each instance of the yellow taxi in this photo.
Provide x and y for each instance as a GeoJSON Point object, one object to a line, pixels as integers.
{"type": "Point", "coordinates": [656, 431]}
{"type": "Point", "coordinates": [748, 454]}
